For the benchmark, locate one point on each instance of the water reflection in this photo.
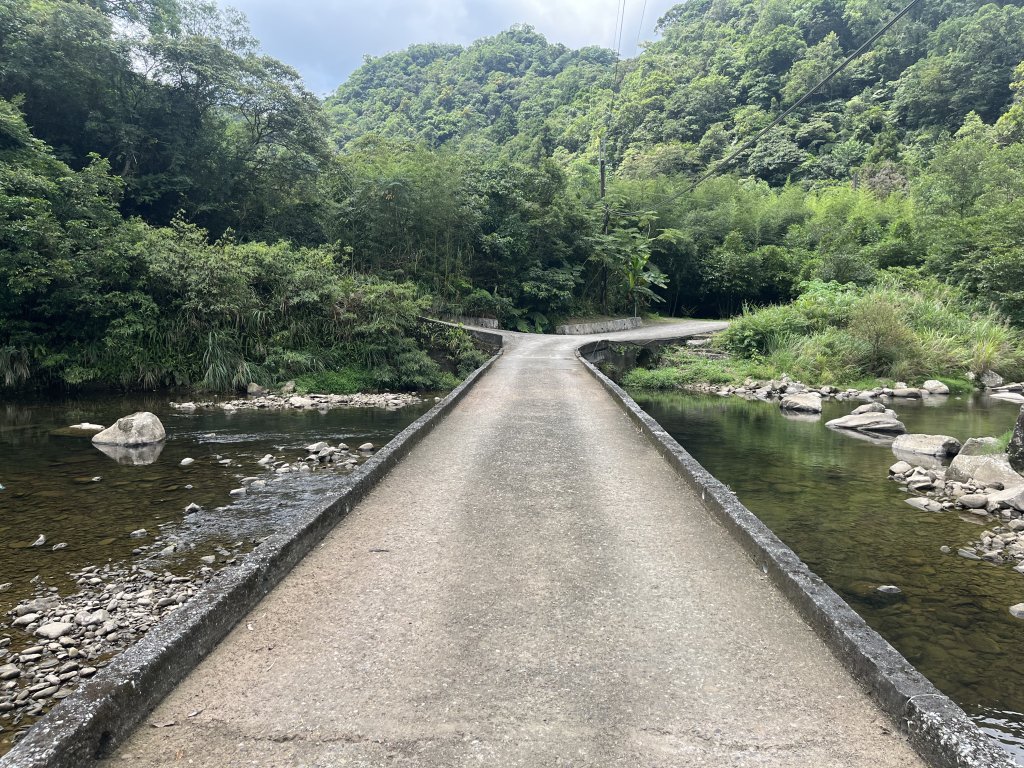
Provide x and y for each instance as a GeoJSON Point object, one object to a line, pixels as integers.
{"type": "Point", "coordinates": [136, 456]}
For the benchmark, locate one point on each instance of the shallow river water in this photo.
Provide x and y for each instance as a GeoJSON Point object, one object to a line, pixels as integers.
{"type": "Point", "coordinates": [826, 494]}
{"type": "Point", "coordinates": [68, 491]}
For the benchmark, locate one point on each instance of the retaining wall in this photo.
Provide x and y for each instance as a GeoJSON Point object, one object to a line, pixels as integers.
{"type": "Point", "coordinates": [605, 326]}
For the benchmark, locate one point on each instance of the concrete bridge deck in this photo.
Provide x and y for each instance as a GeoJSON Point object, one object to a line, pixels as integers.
{"type": "Point", "coordinates": [533, 585]}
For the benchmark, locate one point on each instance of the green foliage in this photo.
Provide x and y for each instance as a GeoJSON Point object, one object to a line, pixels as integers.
{"type": "Point", "coordinates": [899, 329]}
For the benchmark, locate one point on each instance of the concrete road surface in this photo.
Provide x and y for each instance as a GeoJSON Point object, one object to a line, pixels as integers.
{"type": "Point", "coordinates": [532, 586]}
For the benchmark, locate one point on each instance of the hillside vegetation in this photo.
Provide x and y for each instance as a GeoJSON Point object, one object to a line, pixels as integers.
{"type": "Point", "coordinates": [178, 208]}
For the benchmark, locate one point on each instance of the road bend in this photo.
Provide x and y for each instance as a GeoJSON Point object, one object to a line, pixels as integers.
{"type": "Point", "coordinates": [533, 585]}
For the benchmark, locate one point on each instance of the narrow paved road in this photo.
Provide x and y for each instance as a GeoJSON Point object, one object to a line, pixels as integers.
{"type": "Point", "coordinates": [532, 586]}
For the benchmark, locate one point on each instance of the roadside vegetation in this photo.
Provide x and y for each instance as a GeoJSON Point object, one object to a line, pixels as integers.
{"type": "Point", "coordinates": [899, 329]}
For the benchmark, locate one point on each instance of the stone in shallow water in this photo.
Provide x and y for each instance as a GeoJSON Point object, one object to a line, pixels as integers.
{"type": "Point", "coordinates": [889, 589]}
{"type": "Point", "coordinates": [929, 445]}
{"type": "Point", "coordinates": [1017, 611]}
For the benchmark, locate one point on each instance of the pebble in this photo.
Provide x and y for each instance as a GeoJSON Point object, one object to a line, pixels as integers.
{"type": "Point", "coordinates": [187, 462]}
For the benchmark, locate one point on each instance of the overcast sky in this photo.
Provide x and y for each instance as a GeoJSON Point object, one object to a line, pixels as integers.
{"type": "Point", "coordinates": [326, 39]}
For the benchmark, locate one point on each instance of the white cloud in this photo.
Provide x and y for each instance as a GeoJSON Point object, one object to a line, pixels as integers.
{"type": "Point", "coordinates": [326, 39]}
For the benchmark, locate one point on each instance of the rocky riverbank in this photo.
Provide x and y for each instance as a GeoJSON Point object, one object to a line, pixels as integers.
{"type": "Point", "coordinates": [390, 401]}
{"type": "Point", "coordinates": [53, 642]}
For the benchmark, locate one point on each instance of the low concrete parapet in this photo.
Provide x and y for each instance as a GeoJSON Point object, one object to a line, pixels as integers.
{"type": "Point", "coordinates": [604, 326]}
{"type": "Point", "coordinates": [89, 724]}
{"type": "Point", "coordinates": [479, 322]}
{"type": "Point", "coordinates": [938, 729]}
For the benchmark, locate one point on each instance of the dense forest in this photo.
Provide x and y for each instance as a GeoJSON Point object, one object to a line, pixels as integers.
{"type": "Point", "coordinates": [178, 209]}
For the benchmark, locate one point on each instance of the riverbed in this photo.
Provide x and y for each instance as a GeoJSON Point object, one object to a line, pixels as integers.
{"type": "Point", "coordinates": [826, 494]}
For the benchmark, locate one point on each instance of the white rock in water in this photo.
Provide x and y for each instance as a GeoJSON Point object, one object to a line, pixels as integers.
{"type": "Point", "coordinates": [889, 589]}
{"type": "Point", "coordinates": [238, 492]}
{"type": "Point", "coordinates": [805, 402]}
{"type": "Point", "coordinates": [87, 427]}
{"type": "Point", "coordinates": [927, 505]}
{"type": "Point", "coordinates": [139, 533]}
{"type": "Point", "coordinates": [900, 468]}
{"type": "Point", "coordinates": [187, 462]}
{"type": "Point", "coordinates": [929, 445]}
{"type": "Point", "coordinates": [1017, 611]}
{"type": "Point", "coordinates": [300, 402]}
{"type": "Point", "coordinates": [366, 447]}
{"type": "Point", "coordinates": [54, 630]}
{"type": "Point", "coordinates": [868, 408]}
{"type": "Point", "coordinates": [934, 387]}
{"type": "Point", "coordinates": [141, 428]}
{"type": "Point", "coordinates": [1010, 397]}
{"type": "Point", "coordinates": [316, 447]}
{"type": "Point", "coordinates": [868, 422]}
{"type": "Point", "coordinates": [906, 392]}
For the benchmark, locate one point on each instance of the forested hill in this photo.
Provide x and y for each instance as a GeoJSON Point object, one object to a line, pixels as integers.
{"type": "Point", "coordinates": [721, 71]}
{"type": "Point", "coordinates": [177, 208]}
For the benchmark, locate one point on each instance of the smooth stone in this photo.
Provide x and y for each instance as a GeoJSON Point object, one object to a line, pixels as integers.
{"type": "Point", "coordinates": [300, 402]}
{"type": "Point", "coordinates": [935, 387]}
{"type": "Point", "coordinates": [889, 589]}
{"type": "Point", "coordinates": [967, 554]}
{"type": "Point", "coordinates": [317, 447]}
{"type": "Point", "coordinates": [926, 505]}
{"type": "Point", "coordinates": [868, 408]}
{"type": "Point", "coordinates": [929, 445]}
{"type": "Point", "coordinates": [366, 447]}
{"type": "Point", "coordinates": [1010, 397]}
{"type": "Point", "coordinates": [867, 422]}
{"type": "Point", "coordinates": [54, 630]}
{"type": "Point", "coordinates": [906, 392]}
{"type": "Point", "coordinates": [804, 402]}
{"type": "Point", "coordinates": [138, 533]}
{"type": "Point", "coordinates": [1017, 611]}
{"type": "Point", "coordinates": [973, 500]}
{"type": "Point", "coordinates": [186, 462]}
{"type": "Point", "coordinates": [140, 428]}
{"type": "Point", "coordinates": [900, 468]}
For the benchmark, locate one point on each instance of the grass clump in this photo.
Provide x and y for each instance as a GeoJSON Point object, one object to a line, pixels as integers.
{"type": "Point", "coordinates": [842, 334]}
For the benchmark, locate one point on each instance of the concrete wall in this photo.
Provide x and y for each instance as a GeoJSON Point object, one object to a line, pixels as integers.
{"type": "Point", "coordinates": [479, 322]}
{"type": "Point", "coordinates": [606, 326]}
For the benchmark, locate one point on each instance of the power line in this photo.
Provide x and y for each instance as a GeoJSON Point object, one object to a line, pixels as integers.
{"type": "Point", "coordinates": [640, 29]}
{"type": "Point", "coordinates": [721, 165]}
{"type": "Point", "coordinates": [835, 71]}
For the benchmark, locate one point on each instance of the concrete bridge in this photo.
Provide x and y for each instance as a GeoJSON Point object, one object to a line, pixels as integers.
{"type": "Point", "coordinates": [537, 583]}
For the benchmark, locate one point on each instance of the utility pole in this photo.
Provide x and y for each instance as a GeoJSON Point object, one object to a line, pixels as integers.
{"type": "Point", "coordinates": [604, 231]}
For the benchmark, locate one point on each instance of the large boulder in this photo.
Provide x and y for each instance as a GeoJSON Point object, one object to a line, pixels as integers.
{"type": "Point", "coordinates": [984, 470]}
{"type": "Point", "coordinates": [929, 445]}
{"type": "Point", "coordinates": [804, 402]}
{"type": "Point", "coordinates": [1015, 450]}
{"type": "Point", "coordinates": [981, 446]}
{"type": "Point", "coordinates": [141, 428]}
{"type": "Point", "coordinates": [935, 387]}
{"type": "Point", "coordinates": [868, 422]}
{"type": "Point", "coordinates": [991, 379]}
